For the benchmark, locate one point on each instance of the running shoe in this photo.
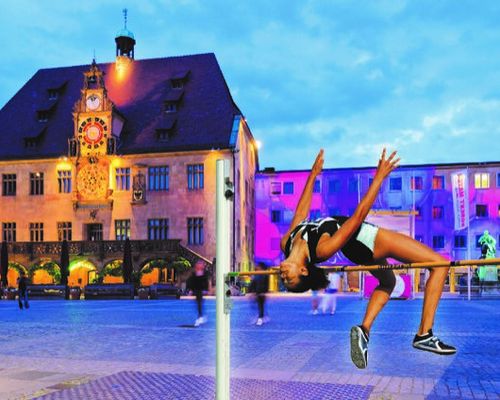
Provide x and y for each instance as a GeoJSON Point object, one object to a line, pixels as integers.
{"type": "Point", "coordinates": [259, 322]}
{"type": "Point", "coordinates": [429, 342]}
{"type": "Point", "coordinates": [359, 347]}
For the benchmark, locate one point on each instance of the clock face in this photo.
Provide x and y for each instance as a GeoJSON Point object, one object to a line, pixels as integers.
{"type": "Point", "coordinates": [92, 181]}
{"type": "Point", "coordinates": [92, 133]}
{"type": "Point", "coordinates": [93, 102]}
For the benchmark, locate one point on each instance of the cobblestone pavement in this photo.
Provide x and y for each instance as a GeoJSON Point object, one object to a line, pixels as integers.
{"type": "Point", "coordinates": [114, 349]}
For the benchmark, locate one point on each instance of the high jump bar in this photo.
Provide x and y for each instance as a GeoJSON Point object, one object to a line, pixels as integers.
{"type": "Point", "coordinates": [348, 268]}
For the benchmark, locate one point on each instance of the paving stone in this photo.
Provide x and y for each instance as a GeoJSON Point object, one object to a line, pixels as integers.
{"type": "Point", "coordinates": [138, 386]}
{"type": "Point", "coordinates": [57, 342]}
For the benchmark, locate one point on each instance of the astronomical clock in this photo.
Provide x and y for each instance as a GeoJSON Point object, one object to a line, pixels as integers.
{"type": "Point", "coordinates": [93, 115]}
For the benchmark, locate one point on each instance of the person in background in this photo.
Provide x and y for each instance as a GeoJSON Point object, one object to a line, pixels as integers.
{"type": "Point", "coordinates": [197, 284]}
{"type": "Point", "coordinates": [329, 299]}
{"type": "Point", "coordinates": [314, 301]}
{"type": "Point", "coordinates": [22, 283]}
{"type": "Point", "coordinates": [259, 285]}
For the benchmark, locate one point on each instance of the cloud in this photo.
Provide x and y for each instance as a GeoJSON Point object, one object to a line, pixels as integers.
{"type": "Point", "coordinates": [417, 76]}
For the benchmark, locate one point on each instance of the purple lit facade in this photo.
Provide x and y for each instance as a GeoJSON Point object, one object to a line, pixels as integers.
{"type": "Point", "coordinates": [426, 189]}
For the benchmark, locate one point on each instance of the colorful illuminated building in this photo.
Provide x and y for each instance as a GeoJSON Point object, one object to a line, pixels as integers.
{"type": "Point", "coordinates": [99, 153]}
{"type": "Point", "coordinates": [421, 194]}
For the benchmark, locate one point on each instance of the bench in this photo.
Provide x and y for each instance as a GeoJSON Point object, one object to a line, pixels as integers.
{"type": "Point", "coordinates": [111, 291]}
{"type": "Point", "coordinates": [47, 292]}
{"type": "Point", "coordinates": [164, 291]}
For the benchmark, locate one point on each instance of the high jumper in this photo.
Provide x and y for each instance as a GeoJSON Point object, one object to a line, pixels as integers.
{"type": "Point", "coordinates": [307, 243]}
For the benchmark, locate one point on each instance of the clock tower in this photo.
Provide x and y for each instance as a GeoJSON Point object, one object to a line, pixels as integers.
{"type": "Point", "coordinates": [93, 114]}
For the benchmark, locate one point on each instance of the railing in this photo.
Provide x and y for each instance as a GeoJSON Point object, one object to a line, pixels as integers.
{"type": "Point", "coordinates": [100, 247]}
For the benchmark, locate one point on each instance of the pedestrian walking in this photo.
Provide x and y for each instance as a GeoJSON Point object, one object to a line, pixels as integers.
{"type": "Point", "coordinates": [198, 284]}
{"type": "Point", "coordinates": [22, 283]}
{"type": "Point", "coordinates": [259, 285]}
{"type": "Point", "coordinates": [329, 299]}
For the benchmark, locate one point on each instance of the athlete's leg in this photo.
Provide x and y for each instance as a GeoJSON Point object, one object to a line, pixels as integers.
{"type": "Point", "coordinates": [380, 295]}
{"type": "Point", "coordinates": [406, 249]}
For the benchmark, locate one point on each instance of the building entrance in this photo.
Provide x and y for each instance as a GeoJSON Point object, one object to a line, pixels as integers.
{"type": "Point", "coordinates": [94, 232]}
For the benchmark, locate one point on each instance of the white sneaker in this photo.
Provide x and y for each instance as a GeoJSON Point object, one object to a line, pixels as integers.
{"type": "Point", "coordinates": [259, 322]}
{"type": "Point", "coordinates": [203, 320]}
{"type": "Point", "coordinates": [315, 312]}
{"type": "Point", "coordinates": [197, 322]}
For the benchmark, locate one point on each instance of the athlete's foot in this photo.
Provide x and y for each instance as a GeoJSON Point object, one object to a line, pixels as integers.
{"type": "Point", "coordinates": [21, 306]}
{"type": "Point", "coordinates": [359, 347]}
{"type": "Point", "coordinates": [429, 342]}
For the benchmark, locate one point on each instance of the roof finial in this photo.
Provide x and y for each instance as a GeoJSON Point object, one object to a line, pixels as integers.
{"type": "Point", "coordinates": [125, 16]}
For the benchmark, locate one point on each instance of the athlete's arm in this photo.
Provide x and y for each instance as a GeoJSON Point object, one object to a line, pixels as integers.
{"type": "Point", "coordinates": [304, 205]}
{"type": "Point", "coordinates": [329, 245]}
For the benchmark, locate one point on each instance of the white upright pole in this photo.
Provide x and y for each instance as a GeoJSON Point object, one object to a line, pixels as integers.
{"type": "Point", "coordinates": [222, 370]}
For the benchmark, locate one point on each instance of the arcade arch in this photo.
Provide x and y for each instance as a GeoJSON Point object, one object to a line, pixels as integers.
{"type": "Point", "coordinates": [81, 273]}
{"type": "Point", "coordinates": [13, 273]}
{"type": "Point", "coordinates": [112, 272]}
{"type": "Point", "coordinates": [157, 271]}
{"type": "Point", "coordinates": [45, 272]}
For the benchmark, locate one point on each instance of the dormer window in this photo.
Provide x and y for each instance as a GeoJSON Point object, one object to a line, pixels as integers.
{"type": "Point", "coordinates": [53, 94]}
{"type": "Point", "coordinates": [43, 116]}
{"type": "Point", "coordinates": [30, 142]}
{"type": "Point", "coordinates": [179, 79]}
{"type": "Point", "coordinates": [162, 135]}
{"type": "Point", "coordinates": [34, 140]}
{"type": "Point", "coordinates": [165, 128]}
{"type": "Point", "coordinates": [170, 107]}
{"type": "Point", "coordinates": [177, 83]}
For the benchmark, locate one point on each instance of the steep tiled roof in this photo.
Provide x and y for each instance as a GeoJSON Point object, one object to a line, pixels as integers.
{"type": "Point", "coordinates": [203, 120]}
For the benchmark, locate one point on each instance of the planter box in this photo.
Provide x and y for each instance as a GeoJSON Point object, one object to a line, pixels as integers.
{"type": "Point", "coordinates": [143, 293]}
{"type": "Point", "coordinates": [111, 291]}
{"type": "Point", "coordinates": [75, 293]}
{"type": "Point", "coordinates": [164, 291]}
{"type": "Point", "coordinates": [10, 294]}
{"type": "Point", "coordinates": [47, 292]}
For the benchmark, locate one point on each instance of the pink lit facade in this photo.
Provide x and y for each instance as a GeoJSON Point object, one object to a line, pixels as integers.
{"type": "Point", "coordinates": [424, 189]}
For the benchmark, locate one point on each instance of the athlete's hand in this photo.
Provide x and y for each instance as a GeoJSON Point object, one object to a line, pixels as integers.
{"type": "Point", "coordinates": [318, 164]}
{"type": "Point", "coordinates": [385, 167]}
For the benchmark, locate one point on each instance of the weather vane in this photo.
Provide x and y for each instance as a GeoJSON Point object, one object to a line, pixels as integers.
{"type": "Point", "coordinates": [125, 16]}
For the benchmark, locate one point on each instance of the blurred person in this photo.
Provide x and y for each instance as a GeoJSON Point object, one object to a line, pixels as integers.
{"type": "Point", "coordinates": [329, 298]}
{"type": "Point", "coordinates": [315, 298]}
{"type": "Point", "coordinates": [260, 285]}
{"type": "Point", "coordinates": [197, 284]}
{"type": "Point", "coordinates": [22, 289]}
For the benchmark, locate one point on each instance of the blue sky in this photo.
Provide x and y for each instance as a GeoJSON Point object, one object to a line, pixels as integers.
{"type": "Point", "coordinates": [349, 76]}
